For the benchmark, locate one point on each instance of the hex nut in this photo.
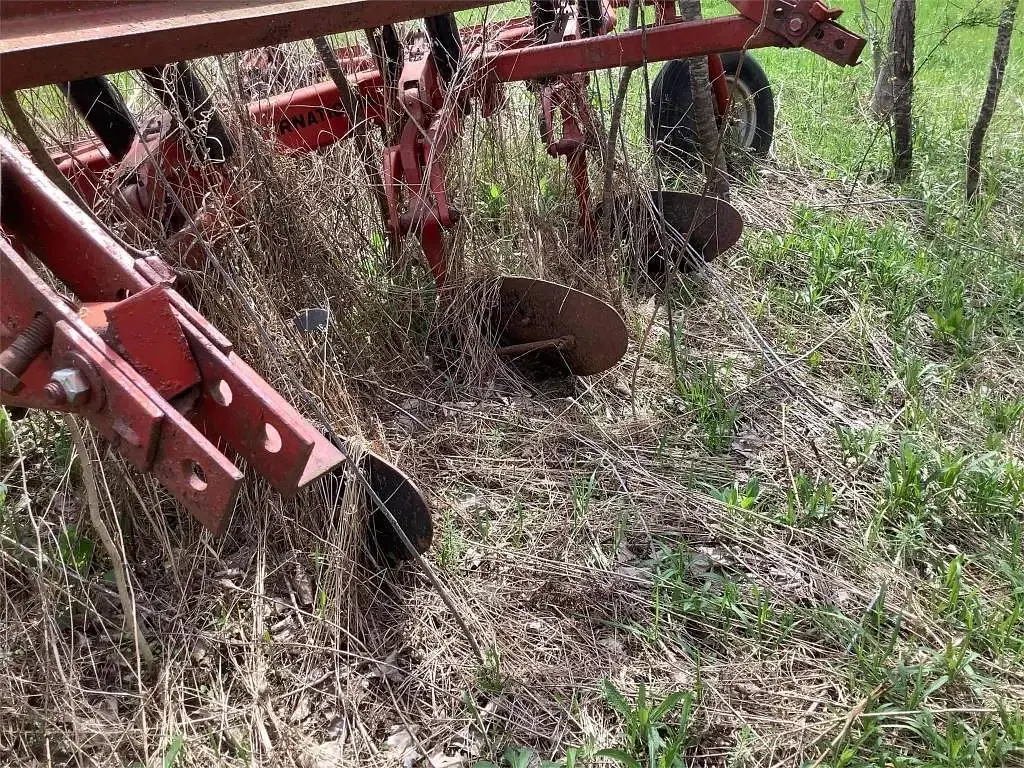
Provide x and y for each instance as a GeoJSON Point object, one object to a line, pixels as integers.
{"type": "Point", "coordinates": [75, 385]}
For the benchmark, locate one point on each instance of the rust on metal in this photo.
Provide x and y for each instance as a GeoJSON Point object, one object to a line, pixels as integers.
{"type": "Point", "coordinates": [660, 224]}
{"type": "Point", "coordinates": [70, 386]}
{"type": "Point", "coordinates": [399, 495]}
{"type": "Point", "coordinates": [405, 502]}
{"type": "Point", "coordinates": [52, 41]}
{"type": "Point", "coordinates": [515, 350]}
{"type": "Point", "coordinates": [531, 310]}
{"type": "Point", "coordinates": [32, 340]}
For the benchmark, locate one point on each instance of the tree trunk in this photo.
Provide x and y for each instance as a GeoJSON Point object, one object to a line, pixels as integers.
{"type": "Point", "coordinates": [901, 58]}
{"type": "Point", "coordinates": [988, 105]}
{"type": "Point", "coordinates": [705, 122]}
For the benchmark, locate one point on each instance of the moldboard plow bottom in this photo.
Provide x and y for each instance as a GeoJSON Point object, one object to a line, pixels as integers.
{"type": "Point", "coordinates": [680, 228]}
{"type": "Point", "coordinates": [564, 327]}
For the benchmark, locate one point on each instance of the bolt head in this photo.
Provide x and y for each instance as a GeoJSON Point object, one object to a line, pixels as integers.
{"type": "Point", "coordinates": [8, 381]}
{"type": "Point", "coordinates": [74, 385]}
{"type": "Point", "coordinates": [796, 25]}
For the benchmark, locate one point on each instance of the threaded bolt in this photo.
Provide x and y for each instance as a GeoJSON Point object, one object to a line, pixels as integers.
{"type": "Point", "coordinates": [54, 393]}
{"type": "Point", "coordinates": [68, 386]}
{"type": "Point", "coordinates": [32, 340]}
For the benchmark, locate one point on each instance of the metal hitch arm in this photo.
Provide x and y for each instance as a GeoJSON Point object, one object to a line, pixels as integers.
{"type": "Point", "coordinates": [132, 357]}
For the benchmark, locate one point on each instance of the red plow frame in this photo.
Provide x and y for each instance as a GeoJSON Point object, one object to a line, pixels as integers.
{"type": "Point", "coordinates": [132, 356]}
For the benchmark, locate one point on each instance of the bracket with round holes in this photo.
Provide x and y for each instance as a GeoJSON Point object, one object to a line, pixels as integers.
{"type": "Point", "coordinates": [134, 359]}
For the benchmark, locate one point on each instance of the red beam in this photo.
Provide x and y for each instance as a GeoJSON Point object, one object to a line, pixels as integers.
{"type": "Point", "coordinates": [51, 41]}
{"type": "Point", "coordinates": [672, 41]}
{"type": "Point", "coordinates": [313, 117]}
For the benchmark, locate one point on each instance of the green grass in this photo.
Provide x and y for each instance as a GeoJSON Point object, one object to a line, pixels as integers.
{"type": "Point", "coordinates": [953, 53]}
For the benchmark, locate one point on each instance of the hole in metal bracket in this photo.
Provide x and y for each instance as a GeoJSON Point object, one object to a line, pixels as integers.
{"type": "Point", "coordinates": [196, 475]}
{"type": "Point", "coordinates": [221, 393]}
{"type": "Point", "coordinates": [271, 439]}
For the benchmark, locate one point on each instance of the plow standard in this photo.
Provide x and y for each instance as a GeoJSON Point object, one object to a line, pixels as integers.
{"type": "Point", "coordinates": [153, 376]}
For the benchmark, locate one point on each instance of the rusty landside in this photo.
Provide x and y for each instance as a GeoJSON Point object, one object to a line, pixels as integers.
{"type": "Point", "coordinates": [52, 41]}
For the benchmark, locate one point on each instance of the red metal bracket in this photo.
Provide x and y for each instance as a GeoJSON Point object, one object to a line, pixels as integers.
{"type": "Point", "coordinates": [313, 117]}
{"type": "Point", "coordinates": [566, 98]}
{"type": "Point", "coordinates": [134, 359]}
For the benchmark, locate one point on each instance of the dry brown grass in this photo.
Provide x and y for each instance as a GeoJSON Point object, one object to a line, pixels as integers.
{"type": "Point", "coordinates": [279, 644]}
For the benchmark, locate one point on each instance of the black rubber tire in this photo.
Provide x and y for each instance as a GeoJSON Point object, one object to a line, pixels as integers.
{"type": "Point", "coordinates": [589, 13]}
{"type": "Point", "coordinates": [669, 112]}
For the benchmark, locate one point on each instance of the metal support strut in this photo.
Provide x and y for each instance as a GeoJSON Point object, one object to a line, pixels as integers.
{"type": "Point", "coordinates": [132, 357]}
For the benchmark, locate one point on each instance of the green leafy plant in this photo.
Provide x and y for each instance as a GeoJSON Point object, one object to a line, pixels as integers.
{"type": "Point", "coordinates": [522, 757]}
{"type": "Point", "coordinates": [1002, 414]}
{"type": "Point", "coordinates": [953, 323]}
{"type": "Point", "coordinates": [716, 417]}
{"type": "Point", "coordinates": [582, 493]}
{"type": "Point", "coordinates": [74, 549]}
{"type": "Point", "coordinates": [493, 197]}
{"type": "Point", "coordinates": [489, 676]}
{"type": "Point", "coordinates": [739, 497]}
{"type": "Point", "coordinates": [808, 501]}
{"type": "Point", "coordinates": [453, 543]}
{"type": "Point", "coordinates": [858, 445]}
{"type": "Point", "coordinates": [6, 432]}
{"type": "Point", "coordinates": [918, 489]}
{"type": "Point", "coordinates": [655, 734]}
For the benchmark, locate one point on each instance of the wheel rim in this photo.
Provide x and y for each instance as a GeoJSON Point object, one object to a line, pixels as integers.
{"type": "Point", "coordinates": [742, 114]}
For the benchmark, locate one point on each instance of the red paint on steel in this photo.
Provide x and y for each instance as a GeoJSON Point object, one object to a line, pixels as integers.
{"type": "Point", "coordinates": [566, 99]}
{"type": "Point", "coordinates": [238, 406]}
{"type": "Point", "coordinates": [664, 11]}
{"type": "Point", "coordinates": [63, 236]}
{"type": "Point", "coordinates": [143, 427]}
{"type": "Point", "coordinates": [145, 331]}
{"type": "Point", "coordinates": [322, 457]}
{"type": "Point", "coordinates": [138, 417]}
{"type": "Point", "coordinates": [51, 41]}
{"type": "Point", "coordinates": [313, 117]}
{"type": "Point", "coordinates": [807, 23]}
{"type": "Point", "coordinates": [719, 84]}
{"type": "Point", "coordinates": [672, 41]}
{"type": "Point", "coordinates": [158, 334]}
{"type": "Point", "coordinates": [83, 165]}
